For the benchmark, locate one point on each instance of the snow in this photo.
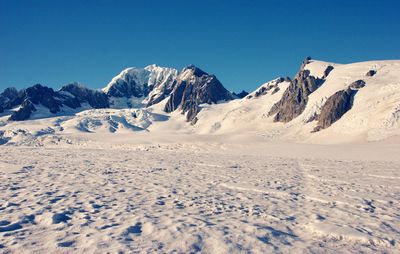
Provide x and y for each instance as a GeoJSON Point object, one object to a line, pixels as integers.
{"type": "Point", "coordinates": [153, 76]}
{"type": "Point", "coordinates": [212, 194]}
{"type": "Point", "coordinates": [140, 75]}
{"type": "Point", "coordinates": [138, 180]}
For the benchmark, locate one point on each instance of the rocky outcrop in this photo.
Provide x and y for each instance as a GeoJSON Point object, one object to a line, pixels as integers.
{"type": "Point", "coordinates": [272, 86]}
{"type": "Point", "coordinates": [327, 71]}
{"type": "Point", "coordinates": [337, 105]}
{"type": "Point", "coordinates": [194, 87]}
{"type": "Point", "coordinates": [240, 95]}
{"type": "Point", "coordinates": [70, 96]}
{"type": "Point", "coordinates": [46, 96]}
{"type": "Point", "coordinates": [357, 84]}
{"type": "Point", "coordinates": [82, 94]}
{"type": "Point", "coordinates": [370, 73]}
{"type": "Point", "coordinates": [36, 94]}
{"type": "Point", "coordinates": [8, 98]}
{"type": "Point", "coordinates": [294, 99]}
{"type": "Point", "coordinates": [24, 112]}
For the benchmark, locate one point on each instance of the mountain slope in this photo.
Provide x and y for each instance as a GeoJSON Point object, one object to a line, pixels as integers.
{"type": "Point", "coordinates": [138, 87]}
{"type": "Point", "coordinates": [372, 113]}
{"type": "Point", "coordinates": [324, 102]}
{"type": "Point", "coordinates": [193, 88]}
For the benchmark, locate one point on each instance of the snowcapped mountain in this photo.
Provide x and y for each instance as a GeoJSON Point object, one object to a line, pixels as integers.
{"type": "Point", "coordinates": [138, 87]}
{"type": "Point", "coordinates": [193, 88]}
{"type": "Point", "coordinates": [323, 102]}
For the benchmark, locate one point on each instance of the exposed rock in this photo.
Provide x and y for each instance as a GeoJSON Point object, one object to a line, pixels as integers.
{"type": "Point", "coordinates": [194, 87]}
{"type": "Point", "coordinates": [357, 84]}
{"type": "Point", "coordinates": [335, 107]}
{"type": "Point", "coordinates": [8, 98]}
{"type": "Point", "coordinates": [24, 112]}
{"type": "Point", "coordinates": [96, 99]}
{"type": "Point", "coordinates": [370, 73]}
{"type": "Point", "coordinates": [327, 71]}
{"type": "Point", "coordinates": [71, 96]}
{"type": "Point", "coordinates": [240, 95]}
{"type": "Point", "coordinates": [271, 86]}
{"type": "Point", "coordinates": [46, 96]}
{"type": "Point", "coordinates": [287, 79]}
{"type": "Point", "coordinates": [276, 89]}
{"type": "Point", "coordinates": [307, 60]}
{"type": "Point", "coordinates": [294, 99]}
{"type": "Point", "coordinates": [176, 97]}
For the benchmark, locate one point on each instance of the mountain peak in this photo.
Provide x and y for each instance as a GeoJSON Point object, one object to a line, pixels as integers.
{"type": "Point", "coordinates": [195, 70]}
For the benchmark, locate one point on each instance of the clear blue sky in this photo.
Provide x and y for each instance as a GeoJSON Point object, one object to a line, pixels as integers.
{"type": "Point", "coordinates": [244, 43]}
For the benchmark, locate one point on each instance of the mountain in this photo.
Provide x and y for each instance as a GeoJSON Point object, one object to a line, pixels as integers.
{"type": "Point", "coordinates": [30, 100]}
{"type": "Point", "coordinates": [323, 101]}
{"type": "Point", "coordinates": [96, 99]}
{"type": "Point", "coordinates": [132, 88]}
{"type": "Point", "coordinates": [138, 87]}
{"type": "Point", "coordinates": [240, 95]}
{"type": "Point", "coordinates": [161, 83]}
{"type": "Point", "coordinates": [294, 99]}
{"type": "Point", "coordinates": [193, 88]}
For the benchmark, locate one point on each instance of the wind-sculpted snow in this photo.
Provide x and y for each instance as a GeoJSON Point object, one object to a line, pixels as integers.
{"type": "Point", "coordinates": [110, 120]}
{"type": "Point", "coordinates": [205, 196]}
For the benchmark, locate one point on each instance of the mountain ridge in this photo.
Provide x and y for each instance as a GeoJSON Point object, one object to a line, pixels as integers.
{"type": "Point", "coordinates": [321, 98]}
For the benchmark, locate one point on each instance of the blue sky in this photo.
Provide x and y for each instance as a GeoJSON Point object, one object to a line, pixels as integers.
{"type": "Point", "coordinates": [245, 43]}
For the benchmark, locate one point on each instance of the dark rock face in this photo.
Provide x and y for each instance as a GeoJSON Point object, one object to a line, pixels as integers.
{"type": "Point", "coordinates": [167, 89]}
{"type": "Point", "coordinates": [176, 97]}
{"type": "Point", "coordinates": [24, 112]}
{"type": "Point", "coordinates": [272, 86]}
{"type": "Point", "coordinates": [194, 87]}
{"type": "Point", "coordinates": [370, 73]}
{"type": "Point", "coordinates": [157, 98]}
{"type": "Point", "coordinates": [36, 94]}
{"type": "Point", "coordinates": [327, 71]}
{"type": "Point", "coordinates": [46, 96]}
{"type": "Point", "coordinates": [8, 98]}
{"type": "Point", "coordinates": [295, 98]}
{"type": "Point", "coordinates": [71, 96]}
{"type": "Point", "coordinates": [128, 87]}
{"type": "Point", "coordinates": [357, 84]}
{"type": "Point", "coordinates": [240, 95]}
{"type": "Point", "coordinates": [335, 107]}
{"type": "Point", "coordinates": [96, 99]}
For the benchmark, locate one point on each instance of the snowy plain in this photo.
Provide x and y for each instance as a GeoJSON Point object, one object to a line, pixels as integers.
{"type": "Point", "coordinates": [199, 194]}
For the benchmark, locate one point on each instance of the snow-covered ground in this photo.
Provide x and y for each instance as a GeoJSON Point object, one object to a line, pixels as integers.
{"type": "Point", "coordinates": [140, 180]}
{"type": "Point", "coordinates": [181, 193]}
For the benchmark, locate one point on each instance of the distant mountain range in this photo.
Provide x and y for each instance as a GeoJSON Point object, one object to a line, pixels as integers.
{"type": "Point", "coordinates": [132, 88]}
{"type": "Point", "coordinates": [318, 96]}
